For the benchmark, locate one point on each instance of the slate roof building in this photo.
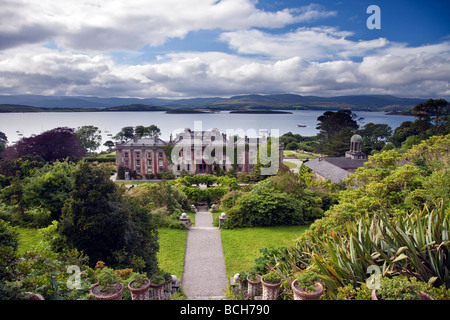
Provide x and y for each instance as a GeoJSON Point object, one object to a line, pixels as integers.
{"type": "Point", "coordinates": [196, 152]}
{"type": "Point", "coordinates": [337, 169]}
{"type": "Point", "coordinates": [145, 156]}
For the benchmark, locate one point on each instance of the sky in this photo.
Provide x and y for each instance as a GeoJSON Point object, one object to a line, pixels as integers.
{"type": "Point", "coordinates": [223, 48]}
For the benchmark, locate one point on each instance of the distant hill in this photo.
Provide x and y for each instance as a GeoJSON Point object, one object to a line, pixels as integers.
{"type": "Point", "coordinates": [7, 108]}
{"type": "Point", "coordinates": [242, 102]}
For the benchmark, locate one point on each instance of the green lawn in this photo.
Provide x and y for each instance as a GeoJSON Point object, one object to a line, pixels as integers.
{"type": "Point", "coordinates": [241, 246]}
{"type": "Point", "coordinates": [297, 155]}
{"type": "Point", "coordinates": [28, 238]}
{"type": "Point", "coordinates": [172, 245]}
{"type": "Point", "coordinates": [291, 165]}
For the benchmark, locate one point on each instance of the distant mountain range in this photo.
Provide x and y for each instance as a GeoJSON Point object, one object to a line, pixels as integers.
{"type": "Point", "coordinates": [243, 102]}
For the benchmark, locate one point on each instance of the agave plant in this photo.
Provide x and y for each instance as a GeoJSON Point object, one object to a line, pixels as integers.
{"type": "Point", "coordinates": [415, 244]}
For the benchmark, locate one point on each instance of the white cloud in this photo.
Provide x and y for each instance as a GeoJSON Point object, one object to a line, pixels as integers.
{"type": "Point", "coordinates": [316, 43]}
{"type": "Point", "coordinates": [417, 71]}
{"type": "Point", "coordinates": [97, 25]}
{"type": "Point", "coordinates": [307, 60]}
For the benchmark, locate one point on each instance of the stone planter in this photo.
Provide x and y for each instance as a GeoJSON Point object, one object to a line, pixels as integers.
{"type": "Point", "coordinates": [300, 294]}
{"type": "Point", "coordinates": [254, 287]}
{"type": "Point", "coordinates": [33, 296]}
{"type": "Point", "coordinates": [141, 293]}
{"type": "Point", "coordinates": [106, 295]}
{"type": "Point", "coordinates": [168, 285]}
{"type": "Point", "coordinates": [420, 294]}
{"type": "Point", "coordinates": [270, 291]}
{"type": "Point", "coordinates": [157, 292]}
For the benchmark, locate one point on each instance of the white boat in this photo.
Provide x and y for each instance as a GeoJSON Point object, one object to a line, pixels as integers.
{"type": "Point", "coordinates": [301, 125]}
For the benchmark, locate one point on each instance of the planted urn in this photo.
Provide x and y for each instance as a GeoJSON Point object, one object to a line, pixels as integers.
{"type": "Point", "coordinates": [108, 286]}
{"type": "Point", "coordinates": [307, 286]}
{"type": "Point", "coordinates": [157, 286]}
{"type": "Point", "coordinates": [271, 283]}
{"type": "Point", "coordinates": [254, 285]}
{"type": "Point", "coordinates": [139, 287]}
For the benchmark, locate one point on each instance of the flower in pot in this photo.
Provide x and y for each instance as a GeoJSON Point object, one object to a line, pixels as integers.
{"type": "Point", "coordinates": [157, 286]}
{"type": "Point", "coordinates": [108, 286]}
{"type": "Point", "coordinates": [399, 288]}
{"type": "Point", "coordinates": [139, 286]}
{"type": "Point", "coordinates": [307, 286]}
{"type": "Point", "coordinates": [271, 283]}
{"type": "Point", "coordinates": [254, 285]}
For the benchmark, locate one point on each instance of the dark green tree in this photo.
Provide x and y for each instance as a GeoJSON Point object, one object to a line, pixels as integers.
{"type": "Point", "coordinates": [152, 131]}
{"type": "Point", "coordinates": [139, 131]}
{"type": "Point", "coordinates": [336, 129]}
{"type": "Point", "coordinates": [436, 110]}
{"type": "Point", "coordinates": [127, 133]}
{"type": "Point", "coordinates": [375, 136]}
{"type": "Point", "coordinates": [101, 221]}
{"type": "Point", "coordinates": [3, 141]}
{"type": "Point", "coordinates": [49, 187]}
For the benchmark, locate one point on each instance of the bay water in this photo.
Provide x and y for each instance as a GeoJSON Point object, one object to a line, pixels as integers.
{"type": "Point", "coordinates": [18, 125]}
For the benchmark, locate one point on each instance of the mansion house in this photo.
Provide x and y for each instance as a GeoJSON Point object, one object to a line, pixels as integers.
{"type": "Point", "coordinates": [195, 152]}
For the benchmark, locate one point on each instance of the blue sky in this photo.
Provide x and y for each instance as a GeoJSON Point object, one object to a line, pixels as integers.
{"type": "Point", "coordinates": [201, 48]}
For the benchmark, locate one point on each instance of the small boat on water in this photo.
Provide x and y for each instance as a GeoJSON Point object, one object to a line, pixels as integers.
{"type": "Point", "coordinates": [301, 125]}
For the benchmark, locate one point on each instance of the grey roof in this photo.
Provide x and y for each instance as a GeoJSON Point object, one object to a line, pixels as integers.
{"type": "Point", "coordinates": [333, 168]}
{"type": "Point", "coordinates": [345, 163]}
{"type": "Point", "coordinates": [143, 142]}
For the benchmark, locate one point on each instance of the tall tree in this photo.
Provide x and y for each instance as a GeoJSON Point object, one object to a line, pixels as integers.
{"type": "Point", "coordinates": [152, 131]}
{"type": "Point", "coordinates": [52, 145]}
{"type": "Point", "coordinates": [437, 109]}
{"type": "Point", "coordinates": [375, 136]}
{"type": "Point", "coordinates": [90, 137]}
{"type": "Point", "coordinates": [3, 141]}
{"type": "Point", "coordinates": [336, 129]}
{"type": "Point", "coordinates": [125, 134]}
{"type": "Point", "coordinates": [104, 223]}
{"type": "Point", "coordinates": [139, 131]}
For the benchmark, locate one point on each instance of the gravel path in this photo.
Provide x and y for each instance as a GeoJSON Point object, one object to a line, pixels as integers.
{"type": "Point", "coordinates": [204, 275]}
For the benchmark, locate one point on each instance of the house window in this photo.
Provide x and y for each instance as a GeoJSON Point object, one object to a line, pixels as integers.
{"type": "Point", "coordinates": [160, 163]}
{"type": "Point", "coordinates": [160, 155]}
{"type": "Point", "coordinates": [138, 170]}
{"type": "Point", "coordinates": [161, 169]}
{"type": "Point", "coordinates": [178, 167]}
{"type": "Point", "coordinates": [126, 163]}
{"type": "Point", "coordinates": [138, 162]}
{"type": "Point", "coordinates": [126, 154]}
{"type": "Point", "coordinates": [149, 155]}
{"type": "Point", "coordinates": [149, 162]}
{"type": "Point", "coordinates": [149, 170]}
{"type": "Point", "coordinates": [188, 167]}
{"type": "Point", "coordinates": [138, 154]}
